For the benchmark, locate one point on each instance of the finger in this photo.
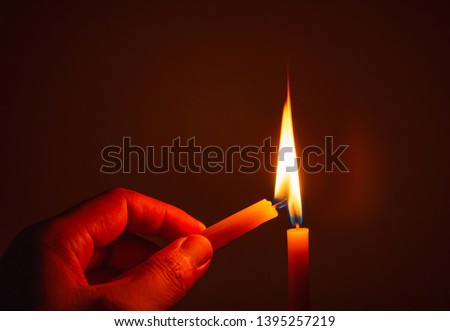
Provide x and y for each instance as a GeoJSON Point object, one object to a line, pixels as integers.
{"type": "Point", "coordinates": [100, 220]}
{"type": "Point", "coordinates": [164, 278]}
{"type": "Point", "coordinates": [107, 215]}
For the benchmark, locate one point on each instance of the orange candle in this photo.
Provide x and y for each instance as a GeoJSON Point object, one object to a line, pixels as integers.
{"type": "Point", "coordinates": [240, 223]}
{"type": "Point", "coordinates": [298, 268]}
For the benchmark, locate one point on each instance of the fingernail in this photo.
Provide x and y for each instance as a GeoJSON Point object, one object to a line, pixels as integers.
{"type": "Point", "coordinates": [197, 249]}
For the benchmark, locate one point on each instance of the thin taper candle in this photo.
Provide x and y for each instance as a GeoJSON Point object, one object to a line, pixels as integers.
{"type": "Point", "coordinates": [298, 268]}
{"type": "Point", "coordinates": [240, 223]}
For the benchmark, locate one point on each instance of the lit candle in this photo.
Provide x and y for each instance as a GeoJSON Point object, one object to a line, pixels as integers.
{"type": "Point", "coordinates": [237, 224]}
{"type": "Point", "coordinates": [298, 268]}
{"type": "Point", "coordinates": [287, 192]}
{"type": "Point", "coordinates": [287, 186]}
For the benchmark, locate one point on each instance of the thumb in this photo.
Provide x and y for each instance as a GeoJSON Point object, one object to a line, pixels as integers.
{"type": "Point", "coordinates": [167, 275]}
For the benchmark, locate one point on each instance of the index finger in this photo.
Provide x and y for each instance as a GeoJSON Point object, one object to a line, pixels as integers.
{"type": "Point", "coordinates": [106, 216]}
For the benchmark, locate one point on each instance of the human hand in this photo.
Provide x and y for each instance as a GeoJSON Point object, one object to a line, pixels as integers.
{"type": "Point", "coordinates": [91, 257]}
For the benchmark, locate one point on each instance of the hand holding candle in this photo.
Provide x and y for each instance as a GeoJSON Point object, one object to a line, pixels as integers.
{"type": "Point", "coordinates": [91, 257]}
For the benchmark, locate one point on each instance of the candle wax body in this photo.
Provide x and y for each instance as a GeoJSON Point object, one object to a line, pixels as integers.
{"type": "Point", "coordinates": [298, 268]}
{"type": "Point", "coordinates": [237, 224]}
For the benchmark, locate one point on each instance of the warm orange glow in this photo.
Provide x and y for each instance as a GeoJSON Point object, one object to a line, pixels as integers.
{"type": "Point", "coordinates": [287, 183]}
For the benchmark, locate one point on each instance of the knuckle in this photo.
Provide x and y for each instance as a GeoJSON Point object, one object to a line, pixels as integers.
{"type": "Point", "coordinates": [119, 191]}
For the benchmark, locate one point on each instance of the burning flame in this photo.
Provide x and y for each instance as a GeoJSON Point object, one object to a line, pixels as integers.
{"type": "Point", "coordinates": [287, 185]}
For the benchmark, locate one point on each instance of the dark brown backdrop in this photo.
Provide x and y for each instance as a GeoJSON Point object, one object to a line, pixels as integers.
{"type": "Point", "coordinates": [77, 77]}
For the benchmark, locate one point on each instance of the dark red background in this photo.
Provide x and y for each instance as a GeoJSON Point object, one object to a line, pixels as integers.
{"type": "Point", "coordinates": [77, 77]}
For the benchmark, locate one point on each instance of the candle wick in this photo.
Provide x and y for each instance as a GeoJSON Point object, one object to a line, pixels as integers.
{"type": "Point", "coordinates": [280, 204]}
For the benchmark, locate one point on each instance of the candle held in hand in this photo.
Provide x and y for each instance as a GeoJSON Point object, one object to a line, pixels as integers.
{"type": "Point", "coordinates": [240, 223]}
